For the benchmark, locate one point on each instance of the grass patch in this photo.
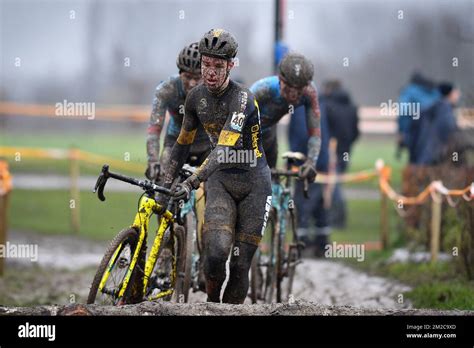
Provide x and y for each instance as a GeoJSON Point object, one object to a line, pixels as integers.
{"type": "Point", "coordinates": [435, 285]}
{"type": "Point", "coordinates": [114, 145]}
{"type": "Point", "coordinates": [365, 153]}
{"type": "Point", "coordinates": [49, 212]}
{"type": "Point", "coordinates": [442, 295]}
{"type": "Point", "coordinates": [363, 223]}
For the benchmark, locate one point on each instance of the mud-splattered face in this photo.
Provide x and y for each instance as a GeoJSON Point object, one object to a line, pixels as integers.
{"type": "Point", "coordinates": [215, 72]}
{"type": "Point", "coordinates": [291, 94]}
{"type": "Point", "coordinates": [189, 80]}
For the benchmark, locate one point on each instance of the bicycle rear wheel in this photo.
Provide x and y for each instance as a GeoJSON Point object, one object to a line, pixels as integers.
{"type": "Point", "coordinates": [186, 258]}
{"type": "Point", "coordinates": [293, 258]}
{"type": "Point", "coordinates": [271, 273]}
{"type": "Point", "coordinates": [115, 264]}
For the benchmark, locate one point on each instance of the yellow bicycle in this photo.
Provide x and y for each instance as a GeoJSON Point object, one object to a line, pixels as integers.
{"type": "Point", "coordinates": [125, 275]}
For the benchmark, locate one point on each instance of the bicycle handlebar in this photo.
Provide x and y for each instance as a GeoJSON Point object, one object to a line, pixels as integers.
{"type": "Point", "coordinates": [105, 174]}
{"type": "Point", "coordinates": [287, 173]}
{"type": "Point", "coordinates": [294, 174]}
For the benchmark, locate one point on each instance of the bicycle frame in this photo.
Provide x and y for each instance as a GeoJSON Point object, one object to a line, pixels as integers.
{"type": "Point", "coordinates": [147, 208]}
{"type": "Point", "coordinates": [282, 202]}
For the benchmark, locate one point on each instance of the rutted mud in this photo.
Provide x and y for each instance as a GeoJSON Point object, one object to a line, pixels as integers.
{"type": "Point", "coordinates": [321, 287]}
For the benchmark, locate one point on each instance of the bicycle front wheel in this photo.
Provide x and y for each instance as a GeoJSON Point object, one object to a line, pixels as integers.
{"type": "Point", "coordinates": [113, 268]}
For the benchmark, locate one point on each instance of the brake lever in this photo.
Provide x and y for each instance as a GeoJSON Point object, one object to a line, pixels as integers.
{"type": "Point", "coordinates": [101, 181]}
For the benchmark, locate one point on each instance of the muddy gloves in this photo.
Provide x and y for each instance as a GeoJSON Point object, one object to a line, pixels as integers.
{"type": "Point", "coordinates": [162, 200]}
{"type": "Point", "coordinates": [153, 170]}
{"type": "Point", "coordinates": [307, 171]}
{"type": "Point", "coordinates": [184, 189]}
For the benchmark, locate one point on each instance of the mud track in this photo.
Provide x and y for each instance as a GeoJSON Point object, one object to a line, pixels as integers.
{"type": "Point", "coordinates": [298, 308]}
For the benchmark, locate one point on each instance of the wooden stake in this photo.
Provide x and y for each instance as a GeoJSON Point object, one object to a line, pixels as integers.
{"type": "Point", "coordinates": [384, 220]}
{"type": "Point", "coordinates": [436, 205]}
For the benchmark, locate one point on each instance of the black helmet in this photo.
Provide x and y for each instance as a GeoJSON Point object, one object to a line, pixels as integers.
{"type": "Point", "coordinates": [189, 59]}
{"type": "Point", "coordinates": [218, 43]}
{"type": "Point", "coordinates": [296, 70]}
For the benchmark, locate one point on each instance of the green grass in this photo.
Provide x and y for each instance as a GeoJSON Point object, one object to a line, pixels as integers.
{"type": "Point", "coordinates": [443, 295]}
{"type": "Point", "coordinates": [49, 212]}
{"type": "Point", "coordinates": [434, 285]}
{"type": "Point", "coordinates": [363, 223]}
{"type": "Point", "coordinates": [114, 145]}
{"type": "Point", "coordinates": [366, 152]}
{"type": "Point", "coordinates": [108, 144]}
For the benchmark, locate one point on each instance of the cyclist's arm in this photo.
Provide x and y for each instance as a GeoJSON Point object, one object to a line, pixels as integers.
{"type": "Point", "coordinates": [230, 135]}
{"type": "Point", "coordinates": [180, 150]}
{"type": "Point", "coordinates": [313, 116]}
{"type": "Point", "coordinates": [157, 120]}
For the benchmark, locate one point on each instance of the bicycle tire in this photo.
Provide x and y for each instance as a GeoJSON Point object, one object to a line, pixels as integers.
{"type": "Point", "coordinates": [271, 272]}
{"type": "Point", "coordinates": [128, 236]}
{"type": "Point", "coordinates": [191, 227]}
{"type": "Point", "coordinates": [292, 258]}
{"type": "Point", "coordinates": [280, 260]}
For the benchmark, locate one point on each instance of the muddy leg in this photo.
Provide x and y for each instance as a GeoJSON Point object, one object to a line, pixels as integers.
{"type": "Point", "coordinates": [217, 244]}
{"type": "Point", "coordinates": [240, 262]}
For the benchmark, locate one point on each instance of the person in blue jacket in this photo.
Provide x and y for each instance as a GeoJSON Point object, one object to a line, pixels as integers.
{"type": "Point", "coordinates": [419, 90]}
{"type": "Point", "coordinates": [435, 128]}
{"type": "Point", "coordinates": [311, 211]}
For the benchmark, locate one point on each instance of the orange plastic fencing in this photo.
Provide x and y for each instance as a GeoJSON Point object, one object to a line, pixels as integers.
{"type": "Point", "coordinates": [138, 113]}
{"type": "Point", "coordinates": [381, 171]}
{"type": "Point", "coordinates": [5, 179]}
{"type": "Point", "coordinates": [435, 187]}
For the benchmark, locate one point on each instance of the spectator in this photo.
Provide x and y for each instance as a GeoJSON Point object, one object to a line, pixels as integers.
{"type": "Point", "coordinates": [311, 211]}
{"type": "Point", "coordinates": [419, 90]}
{"type": "Point", "coordinates": [343, 126]}
{"type": "Point", "coordinates": [434, 128]}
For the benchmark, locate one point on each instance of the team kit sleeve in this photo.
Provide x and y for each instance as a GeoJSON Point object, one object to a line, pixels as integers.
{"type": "Point", "coordinates": [157, 119]}
{"type": "Point", "coordinates": [181, 148]}
{"type": "Point", "coordinates": [313, 121]}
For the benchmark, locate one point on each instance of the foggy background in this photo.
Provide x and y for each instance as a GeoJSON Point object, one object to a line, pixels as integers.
{"type": "Point", "coordinates": [76, 50]}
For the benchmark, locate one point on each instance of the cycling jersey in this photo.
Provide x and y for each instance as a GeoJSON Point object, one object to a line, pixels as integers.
{"type": "Point", "coordinates": [232, 123]}
{"type": "Point", "coordinates": [170, 95]}
{"type": "Point", "coordinates": [273, 107]}
{"type": "Point", "coordinates": [238, 194]}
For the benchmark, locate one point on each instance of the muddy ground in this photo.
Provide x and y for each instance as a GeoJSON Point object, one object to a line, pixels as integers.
{"type": "Point", "coordinates": [321, 287]}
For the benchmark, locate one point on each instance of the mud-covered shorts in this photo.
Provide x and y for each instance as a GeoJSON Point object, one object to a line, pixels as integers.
{"type": "Point", "coordinates": [239, 202]}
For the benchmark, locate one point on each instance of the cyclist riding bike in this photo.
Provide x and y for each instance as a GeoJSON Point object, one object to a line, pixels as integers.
{"type": "Point", "coordinates": [170, 96]}
{"type": "Point", "coordinates": [282, 94]}
{"type": "Point", "coordinates": [238, 197]}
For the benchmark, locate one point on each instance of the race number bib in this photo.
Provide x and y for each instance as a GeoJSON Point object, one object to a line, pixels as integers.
{"type": "Point", "coordinates": [237, 121]}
